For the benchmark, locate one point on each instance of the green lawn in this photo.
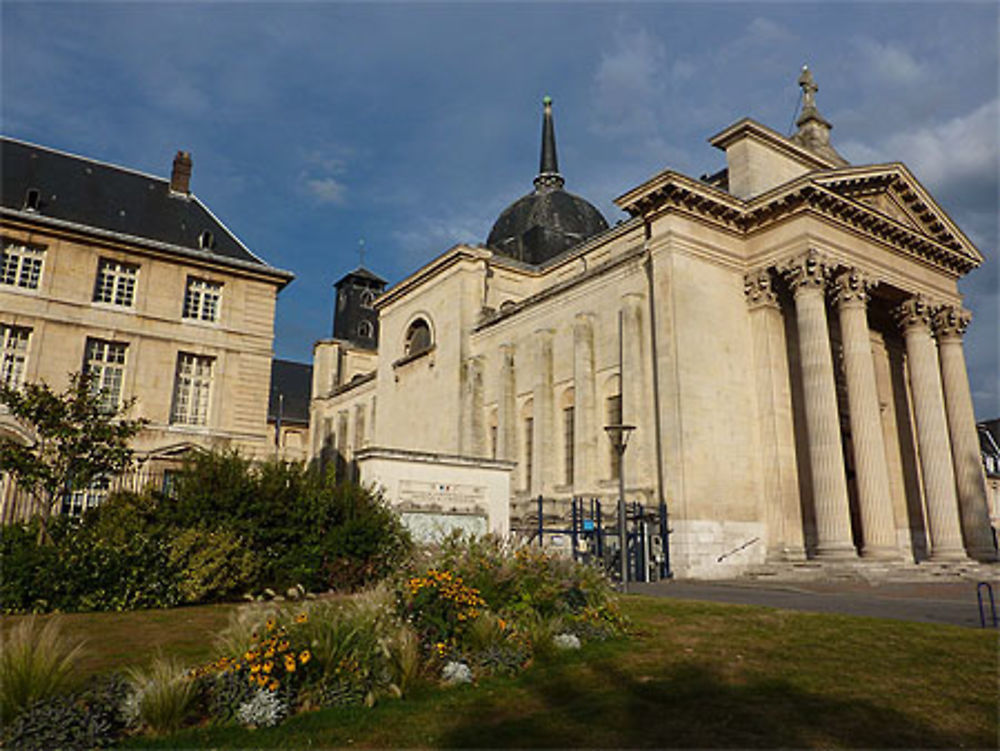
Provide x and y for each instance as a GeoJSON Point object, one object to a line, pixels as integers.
{"type": "Point", "coordinates": [693, 675]}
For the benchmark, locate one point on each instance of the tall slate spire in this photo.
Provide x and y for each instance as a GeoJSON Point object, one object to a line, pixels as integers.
{"type": "Point", "coordinates": [548, 167]}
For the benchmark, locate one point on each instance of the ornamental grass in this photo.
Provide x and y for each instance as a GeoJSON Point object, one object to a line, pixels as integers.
{"type": "Point", "coordinates": [36, 663]}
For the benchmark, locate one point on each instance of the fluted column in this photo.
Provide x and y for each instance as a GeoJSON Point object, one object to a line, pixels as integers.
{"type": "Point", "coordinates": [807, 276]}
{"type": "Point", "coordinates": [586, 431]}
{"type": "Point", "coordinates": [874, 496]}
{"type": "Point", "coordinates": [950, 324]}
{"type": "Point", "coordinates": [932, 431]}
{"type": "Point", "coordinates": [779, 475]}
{"type": "Point", "coordinates": [506, 415]}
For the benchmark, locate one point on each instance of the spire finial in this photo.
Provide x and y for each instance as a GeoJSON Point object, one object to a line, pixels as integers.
{"type": "Point", "coordinates": [813, 128]}
{"type": "Point", "coordinates": [361, 253]}
{"type": "Point", "coordinates": [548, 169]}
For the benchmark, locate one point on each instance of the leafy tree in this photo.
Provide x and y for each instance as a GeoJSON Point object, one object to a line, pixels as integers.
{"type": "Point", "coordinates": [76, 438]}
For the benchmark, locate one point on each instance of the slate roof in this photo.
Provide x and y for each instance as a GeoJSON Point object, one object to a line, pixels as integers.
{"type": "Point", "coordinates": [294, 381]}
{"type": "Point", "coordinates": [114, 199]}
{"type": "Point", "coordinates": [361, 273]}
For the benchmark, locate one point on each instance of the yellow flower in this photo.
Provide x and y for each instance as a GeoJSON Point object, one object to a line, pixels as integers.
{"type": "Point", "coordinates": [255, 668]}
{"type": "Point", "coordinates": [270, 624]}
{"type": "Point", "coordinates": [273, 685]}
{"type": "Point", "coordinates": [251, 680]}
{"type": "Point", "coordinates": [261, 681]}
{"type": "Point", "coordinates": [283, 646]}
{"type": "Point", "coordinates": [304, 657]}
{"type": "Point", "coordinates": [269, 653]}
{"type": "Point", "coordinates": [268, 666]}
{"type": "Point", "coordinates": [290, 663]}
{"type": "Point", "coordinates": [301, 618]}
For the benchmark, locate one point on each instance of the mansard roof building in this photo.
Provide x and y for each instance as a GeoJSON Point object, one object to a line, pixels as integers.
{"type": "Point", "coordinates": [132, 278]}
{"type": "Point", "coordinates": [785, 336]}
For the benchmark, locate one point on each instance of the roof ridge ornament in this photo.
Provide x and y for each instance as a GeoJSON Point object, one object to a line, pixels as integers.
{"type": "Point", "coordinates": [814, 129]}
{"type": "Point", "coordinates": [548, 167]}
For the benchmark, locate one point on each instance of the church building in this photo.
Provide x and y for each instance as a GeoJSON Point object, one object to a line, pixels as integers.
{"type": "Point", "coordinates": [785, 336]}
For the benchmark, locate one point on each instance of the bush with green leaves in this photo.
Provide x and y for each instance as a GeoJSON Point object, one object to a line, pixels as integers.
{"type": "Point", "coordinates": [210, 564]}
{"type": "Point", "coordinates": [91, 718]}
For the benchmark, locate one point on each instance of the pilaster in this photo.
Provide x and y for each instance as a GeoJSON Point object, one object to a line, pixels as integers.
{"type": "Point", "coordinates": [506, 406]}
{"type": "Point", "coordinates": [586, 430]}
{"type": "Point", "coordinates": [543, 441]}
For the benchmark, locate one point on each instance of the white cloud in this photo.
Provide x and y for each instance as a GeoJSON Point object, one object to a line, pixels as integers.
{"type": "Point", "coordinates": [966, 147]}
{"type": "Point", "coordinates": [629, 84]}
{"type": "Point", "coordinates": [326, 190]}
{"type": "Point", "coordinates": [890, 62]}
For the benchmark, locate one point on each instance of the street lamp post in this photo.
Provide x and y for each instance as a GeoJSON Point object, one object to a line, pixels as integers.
{"type": "Point", "coordinates": [619, 435]}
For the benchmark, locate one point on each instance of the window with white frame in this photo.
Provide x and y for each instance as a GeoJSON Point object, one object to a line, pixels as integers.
{"type": "Point", "coordinates": [192, 386]}
{"type": "Point", "coordinates": [104, 362]}
{"type": "Point", "coordinates": [92, 496]}
{"type": "Point", "coordinates": [202, 299]}
{"type": "Point", "coordinates": [115, 283]}
{"type": "Point", "coordinates": [21, 265]}
{"type": "Point", "coordinates": [13, 354]}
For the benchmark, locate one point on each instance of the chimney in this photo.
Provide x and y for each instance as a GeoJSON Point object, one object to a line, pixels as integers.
{"type": "Point", "coordinates": [180, 178]}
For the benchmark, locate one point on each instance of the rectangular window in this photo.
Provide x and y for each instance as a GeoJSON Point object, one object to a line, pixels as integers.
{"type": "Point", "coordinates": [115, 283]}
{"type": "Point", "coordinates": [79, 501]}
{"type": "Point", "coordinates": [568, 445]}
{"type": "Point", "coordinates": [105, 363]}
{"type": "Point", "coordinates": [13, 354]}
{"type": "Point", "coordinates": [529, 449]}
{"type": "Point", "coordinates": [192, 386]}
{"type": "Point", "coordinates": [493, 441]}
{"type": "Point", "coordinates": [21, 265]}
{"type": "Point", "coordinates": [614, 417]}
{"type": "Point", "coordinates": [201, 300]}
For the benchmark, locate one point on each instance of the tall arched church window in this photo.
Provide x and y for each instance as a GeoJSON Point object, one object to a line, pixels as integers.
{"type": "Point", "coordinates": [367, 298]}
{"type": "Point", "coordinates": [366, 330]}
{"type": "Point", "coordinates": [418, 337]}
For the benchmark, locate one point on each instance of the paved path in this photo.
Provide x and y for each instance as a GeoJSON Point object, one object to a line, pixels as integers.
{"type": "Point", "coordinates": [938, 602]}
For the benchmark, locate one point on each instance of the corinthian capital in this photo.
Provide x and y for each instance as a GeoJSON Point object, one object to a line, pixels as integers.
{"type": "Point", "coordinates": [759, 288]}
{"type": "Point", "coordinates": [914, 313]}
{"type": "Point", "coordinates": [809, 270]}
{"type": "Point", "coordinates": [851, 288]}
{"type": "Point", "coordinates": [951, 321]}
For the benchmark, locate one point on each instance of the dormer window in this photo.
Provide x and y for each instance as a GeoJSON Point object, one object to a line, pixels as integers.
{"type": "Point", "coordinates": [206, 241]}
{"type": "Point", "coordinates": [31, 199]}
{"type": "Point", "coordinates": [418, 337]}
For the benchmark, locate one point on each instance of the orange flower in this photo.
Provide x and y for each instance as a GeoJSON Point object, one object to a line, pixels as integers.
{"type": "Point", "coordinates": [273, 685]}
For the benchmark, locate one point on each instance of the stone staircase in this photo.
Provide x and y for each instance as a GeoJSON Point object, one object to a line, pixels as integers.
{"type": "Point", "coordinates": [875, 572]}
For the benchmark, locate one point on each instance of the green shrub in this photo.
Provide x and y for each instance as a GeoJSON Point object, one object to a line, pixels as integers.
{"type": "Point", "coordinates": [30, 571]}
{"type": "Point", "coordinates": [210, 564]}
{"type": "Point", "coordinates": [161, 696]}
{"type": "Point", "coordinates": [89, 719]}
{"type": "Point", "coordinates": [36, 664]}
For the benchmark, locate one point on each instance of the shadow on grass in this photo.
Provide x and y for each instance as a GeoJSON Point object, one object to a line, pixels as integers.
{"type": "Point", "coordinates": [689, 706]}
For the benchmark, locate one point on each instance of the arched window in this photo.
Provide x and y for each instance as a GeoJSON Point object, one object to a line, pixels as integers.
{"type": "Point", "coordinates": [367, 298]}
{"type": "Point", "coordinates": [366, 330]}
{"type": "Point", "coordinates": [418, 337]}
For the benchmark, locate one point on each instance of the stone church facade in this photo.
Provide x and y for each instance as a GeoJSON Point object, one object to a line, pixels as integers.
{"type": "Point", "coordinates": [785, 336]}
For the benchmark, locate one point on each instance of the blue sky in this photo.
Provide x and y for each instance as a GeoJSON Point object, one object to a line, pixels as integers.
{"type": "Point", "coordinates": [313, 125]}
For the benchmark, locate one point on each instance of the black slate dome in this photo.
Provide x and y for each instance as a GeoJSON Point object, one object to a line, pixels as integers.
{"type": "Point", "coordinates": [548, 220]}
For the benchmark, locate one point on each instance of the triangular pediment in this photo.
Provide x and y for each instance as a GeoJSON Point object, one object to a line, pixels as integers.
{"type": "Point", "coordinates": [896, 194]}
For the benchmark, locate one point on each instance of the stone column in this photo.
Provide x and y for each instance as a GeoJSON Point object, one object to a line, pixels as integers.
{"type": "Point", "coordinates": [950, 324]}
{"type": "Point", "coordinates": [542, 464]}
{"type": "Point", "coordinates": [586, 432]}
{"type": "Point", "coordinates": [932, 431]}
{"type": "Point", "coordinates": [782, 511]}
{"type": "Point", "coordinates": [807, 276]}
{"type": "Point", "coordinates": [874, 496]}
{"type": "Point", "coordinates": [506, 411]}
